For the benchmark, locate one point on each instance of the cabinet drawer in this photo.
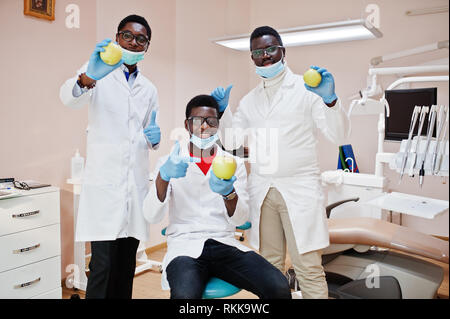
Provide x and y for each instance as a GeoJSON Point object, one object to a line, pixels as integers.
{"type": "Point", "coordinates": [53, 294]}
{"type": "Point", "coordinates": [32, 280]}
{"type": "Point", "coordinates": [27, 212]}
{"type": "Point", "coordinates": [28, 247]}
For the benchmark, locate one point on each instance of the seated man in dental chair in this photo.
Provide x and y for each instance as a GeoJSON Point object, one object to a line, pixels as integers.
{"type": "Point", "coordinates": [204, 211]}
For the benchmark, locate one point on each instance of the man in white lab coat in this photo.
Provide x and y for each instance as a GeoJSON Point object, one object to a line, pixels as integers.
{"type": "Point", "coordinates": [122, 128]}
{"type": "Point", "coordinates": [204, 211]}
{"type": "Point", "coordinates": [280, 118]}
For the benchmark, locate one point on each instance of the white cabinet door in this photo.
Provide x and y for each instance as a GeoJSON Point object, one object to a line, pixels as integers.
{"type": "Point", "coordinates": [31, 280]}
{"type": "Point", "coordinates": [28, 247]}
{"type": "Point", "coordinates": [28, 212]}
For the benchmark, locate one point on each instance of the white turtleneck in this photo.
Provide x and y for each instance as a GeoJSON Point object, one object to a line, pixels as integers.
{"type": "Point", "coordinates": [272, 85]}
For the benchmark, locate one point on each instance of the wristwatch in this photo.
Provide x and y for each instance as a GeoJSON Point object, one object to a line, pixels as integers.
{"type": "Point", "coordinates": [84, 88]}
{"type": "Point", "coordinates": [230, 196]}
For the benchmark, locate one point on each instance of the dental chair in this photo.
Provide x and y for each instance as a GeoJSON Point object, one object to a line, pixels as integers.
{"type": "Point", "coordinates": [360, 263]}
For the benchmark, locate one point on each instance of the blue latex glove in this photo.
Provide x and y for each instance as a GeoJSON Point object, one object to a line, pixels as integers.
{"type": "Point", "coordinates": [326, 88]}
{"type": "Point", "coordinates": [222, 96]}
{"type": "Point", "coordinates": [221, 186]}
{"type": "Point", "coordinates": [152, 131]}
{"type": "Point", "coordinates": [97, 69]}
{"type": "Point", "coordinates": [176, 166]}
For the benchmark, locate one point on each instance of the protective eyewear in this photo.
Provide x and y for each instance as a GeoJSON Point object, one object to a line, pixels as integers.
{"type": "Point", "coordinates": [199, 120]}
{"type": "Point", "coordinates": [142, 40]}
{"type": "Point", "coordinates": [259, 53]}
{"type": "Point", "coordinates": [21, 185]}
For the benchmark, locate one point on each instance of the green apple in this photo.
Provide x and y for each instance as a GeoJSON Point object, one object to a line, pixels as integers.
{"type": "Point", "coordinates": [112, 54]}
{"type": "Point", "coordinates": [312, 78]}
{"type": "Point", "coordinates": [224, 167]}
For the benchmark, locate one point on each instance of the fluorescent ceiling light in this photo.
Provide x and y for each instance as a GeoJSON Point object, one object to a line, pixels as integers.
{"type": "Point", "coordinates": [424, 11]}
{"type": "Point", "coordinates": [310, 35]}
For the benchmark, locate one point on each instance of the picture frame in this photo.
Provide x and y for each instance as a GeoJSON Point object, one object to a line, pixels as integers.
{"type": "Point", "coordinates": [43, 9]}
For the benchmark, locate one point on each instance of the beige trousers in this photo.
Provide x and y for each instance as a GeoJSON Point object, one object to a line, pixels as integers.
{"type": "Point", "coordinates": [275, 232]}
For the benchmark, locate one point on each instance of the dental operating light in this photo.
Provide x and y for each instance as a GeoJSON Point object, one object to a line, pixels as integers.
{"type": "Point", "coordinates": [350, 30]}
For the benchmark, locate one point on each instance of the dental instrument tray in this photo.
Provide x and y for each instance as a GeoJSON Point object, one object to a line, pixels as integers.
{"type": "Point", "coordinates": [426, 155]}
{"type": "Point", "coordinates": [425, 207]}
{"type": "Point", "coordinates": [441, 162]}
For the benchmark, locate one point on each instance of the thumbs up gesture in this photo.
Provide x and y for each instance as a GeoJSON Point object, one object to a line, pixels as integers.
{"type": "Point", "coordinates": [152, 131]}
{"type": "Point", "coordinates": [176, 166]}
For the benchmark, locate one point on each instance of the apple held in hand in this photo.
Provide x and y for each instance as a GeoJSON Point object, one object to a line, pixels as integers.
{"type": "Point", "coordinates": [312, 78]}
{"type": "Point", "coordinates": [112, 54]}
{"type": "Point", "coordinates": [224, 167]}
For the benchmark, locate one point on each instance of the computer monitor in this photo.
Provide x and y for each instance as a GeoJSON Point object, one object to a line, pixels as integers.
{"type": "Point", "coordinates": [401, 105]}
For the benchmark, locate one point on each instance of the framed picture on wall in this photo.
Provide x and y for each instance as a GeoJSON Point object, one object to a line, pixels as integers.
{"type": "Point", "coordinates": [44, 9]}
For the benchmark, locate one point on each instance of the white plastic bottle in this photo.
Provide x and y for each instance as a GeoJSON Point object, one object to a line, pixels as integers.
{"type": "Point", "coordinates": [77, 166]}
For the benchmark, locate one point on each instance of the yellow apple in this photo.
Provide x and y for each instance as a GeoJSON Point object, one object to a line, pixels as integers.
{"type": "Point", "coordinates": [112, 54]}
{"type": "Point", "coordinates": [224, 167]}
{"type": "Point", "coordinates": [312, 78]}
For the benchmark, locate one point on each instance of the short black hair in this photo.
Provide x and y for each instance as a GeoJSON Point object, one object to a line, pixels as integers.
{"type": "Point", "coordinates": [265, 30]}
{"type": "Point", "coordinates": [201, 100]}
{"type": "Point", "coordinates": [137, 19]}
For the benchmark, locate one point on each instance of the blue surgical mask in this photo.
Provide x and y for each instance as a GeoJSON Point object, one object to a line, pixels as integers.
{"type": "Point", "coordinates": [131, 58]}
{"type": "Point", "coordinates": [270, 71]}
{"type": "Point", "coordinates": [204, 143]}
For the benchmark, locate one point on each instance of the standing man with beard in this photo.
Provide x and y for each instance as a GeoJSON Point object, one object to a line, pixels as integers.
{"type": "Point", "coordinates": [286, 199]}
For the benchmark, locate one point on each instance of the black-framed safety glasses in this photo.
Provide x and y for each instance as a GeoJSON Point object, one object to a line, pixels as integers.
{"type": "Point", "coordinates": [197, 121]}
{"type": "Point", "coordinates": [259, 53]}
{"type": "Point", "coordinates": [21, 185]}
{"type": "Point", "coordinates": [142, 40]}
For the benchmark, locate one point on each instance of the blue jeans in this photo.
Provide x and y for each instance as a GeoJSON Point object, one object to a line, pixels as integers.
{"type": "Point", "coordinates": [188, 276]}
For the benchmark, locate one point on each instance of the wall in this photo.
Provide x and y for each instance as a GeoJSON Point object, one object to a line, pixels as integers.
{"type": "Point", "coordinates": [202, 65]}
{"type": "Point", "coordinates": [38, 135]}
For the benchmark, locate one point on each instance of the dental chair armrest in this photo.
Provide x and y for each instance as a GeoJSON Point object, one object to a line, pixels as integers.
{"type": "Point", "coordinates": [331, 206]}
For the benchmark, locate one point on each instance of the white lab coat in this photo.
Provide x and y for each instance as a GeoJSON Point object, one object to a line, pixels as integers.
{"type": "Point", "coordinates": [282, 139]}
{"type": "Point", "coordinates": [196, 213]}
{"type": "Point", "coordinates": [116, 176]}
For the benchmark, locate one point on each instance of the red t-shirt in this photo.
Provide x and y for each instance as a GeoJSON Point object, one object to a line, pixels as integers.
{"type": "Point", "coordinates": [205, 163]}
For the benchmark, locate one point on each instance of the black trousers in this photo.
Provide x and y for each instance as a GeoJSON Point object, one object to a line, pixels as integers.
{"type": "Point", "coordinates": [112, 268]}
{"type": "Point", "coordinates": [188, 276]}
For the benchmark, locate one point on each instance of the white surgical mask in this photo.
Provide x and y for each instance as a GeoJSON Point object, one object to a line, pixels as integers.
{"type": "Point", "coordinates": [270, 71]}
{"type": "Point", "coordinates": [204, 143]}
{"type": "Point", "coordinates": [131, 58]}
